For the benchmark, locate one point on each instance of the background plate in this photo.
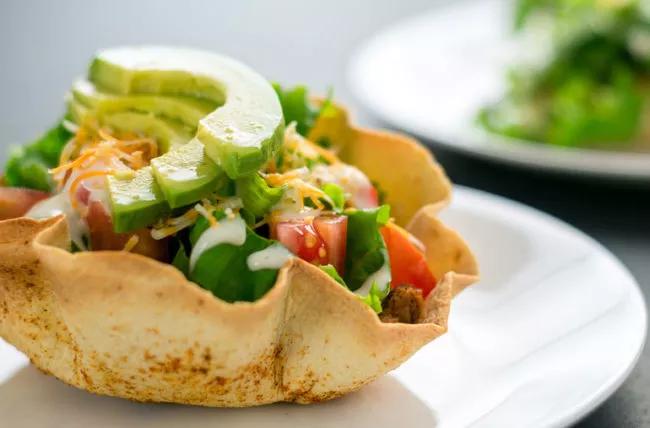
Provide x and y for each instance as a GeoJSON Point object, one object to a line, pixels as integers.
{"type": "Point", "coordinates": [429, 75]}
{"type": "Point", "coordinates": [554, 327]}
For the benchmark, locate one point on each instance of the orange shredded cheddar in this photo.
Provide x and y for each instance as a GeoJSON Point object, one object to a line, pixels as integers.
{"type": "Point", "coordinates": [73, 164]}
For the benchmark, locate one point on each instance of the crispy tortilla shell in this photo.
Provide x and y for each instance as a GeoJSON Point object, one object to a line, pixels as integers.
{"type": "Point", "coordinates": [121, 324]}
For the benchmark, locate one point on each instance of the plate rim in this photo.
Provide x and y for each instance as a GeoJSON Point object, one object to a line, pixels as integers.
{"type": "Point", "coordinates": [591, 402]}
{"type": "Point", "coordinates": [617, 165]}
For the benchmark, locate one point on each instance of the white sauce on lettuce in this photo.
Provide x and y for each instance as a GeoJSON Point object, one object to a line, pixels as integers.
{"type": "Point", "coordinates": [229, 231]}
{"type": "Point", "coordinates": [273, 257]}
{"type": "Point", "coordinates": [381, 277]}
{"type": "Point", "coordinates": [60, 204]}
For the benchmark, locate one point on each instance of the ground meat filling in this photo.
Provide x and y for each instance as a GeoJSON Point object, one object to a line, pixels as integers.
{"type": "Point", "coordinates": [403, 304]}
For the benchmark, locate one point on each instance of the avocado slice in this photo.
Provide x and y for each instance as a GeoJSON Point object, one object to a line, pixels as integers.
{"type": "Point", "coordinates": [240, 136]}
{"type": "Point", "coordinates": [168, 133]}
{"type": "Point", "coordinates": [186, 174]}
{"type": "Point", "coordinates": [136, 200]}
{"type": "Point", "coordinates": [186, 110]}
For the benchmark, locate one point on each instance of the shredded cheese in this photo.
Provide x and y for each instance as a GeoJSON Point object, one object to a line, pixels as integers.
{"type": "Point", "coordinates": [94, 152]}
{"type": "Point", "coordinates": [76, 163]}
{"type": "Point", "coordinates": [131, 243]}
{"type": "Point", "coordinates": [174, 225]}
{"type": "Point", "coordinates": [77, 181]}
{"type": "Point", "coordinates": [204, 212]}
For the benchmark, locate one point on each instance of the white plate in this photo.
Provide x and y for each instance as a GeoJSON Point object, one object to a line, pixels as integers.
{"type": "Point", "coordinates": [429, 75]}
{"type": "Point", "coordinates": [554, 327]}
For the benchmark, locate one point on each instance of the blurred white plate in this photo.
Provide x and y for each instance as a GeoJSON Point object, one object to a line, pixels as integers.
{"type": "Point", "coordinates": [554, 327]}
{"type": "Point", "coordinates": [429, 75]}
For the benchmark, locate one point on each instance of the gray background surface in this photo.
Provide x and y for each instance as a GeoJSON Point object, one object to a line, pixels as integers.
{"type": "Point", "coordinates": [45, 44]}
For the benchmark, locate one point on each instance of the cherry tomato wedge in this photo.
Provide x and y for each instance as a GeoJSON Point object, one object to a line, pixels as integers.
{"type": "Point", "coordinates": [407, 262]}
{"type": "Point", "coordinates": [319, 241]}
{"type": "Point", "coordinates": [102, 236]}
{"type": "Point", "coordinates": [16, 201]}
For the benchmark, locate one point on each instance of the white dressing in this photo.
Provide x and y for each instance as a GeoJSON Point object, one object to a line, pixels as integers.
{"type": "Point", "coordinates": [60, 204]}
{"type": "Point", "coordinates": [229, 231]}
{"type": "Point", "coordinates": [381, 277]}
{"type": "Point", "coordinates": [49, 207]}
{"type": "Point", "coordinates": [273, 257]}
{"type": "Point", "coordinates": [353, 181]}
{"type": "Point", "coordinates": [291, 207]}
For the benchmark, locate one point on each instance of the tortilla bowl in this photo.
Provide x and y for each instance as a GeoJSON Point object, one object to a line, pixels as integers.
{"type": "Point", "coordinates": [124, 325]}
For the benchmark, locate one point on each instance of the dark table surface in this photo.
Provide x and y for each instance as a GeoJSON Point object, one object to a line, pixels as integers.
{"type": "Point", "coordinates": [44, 45]}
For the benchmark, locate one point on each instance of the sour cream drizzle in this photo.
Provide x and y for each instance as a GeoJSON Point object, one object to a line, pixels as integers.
{"type": "Point", "coordinates": [60, 204]}
{"type": "Point", "coordinates": [273, 257]}
{"type": "Point", "coordinates": [382, 277]}
{"type": "Point", "coordinates": [351, 179]}
{"type": "Point", "coordinates": [229, 231]}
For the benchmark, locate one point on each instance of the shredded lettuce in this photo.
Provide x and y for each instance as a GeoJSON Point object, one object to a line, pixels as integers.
{"type": "Point", "coordinates": [336, 194]}
{"type": "Point", "coordinates": [298, 107]}
{"type": "Point", "coordinates": [28, 165]}
{"type": "Point", "coordinates": [366, 251]}
{"type": "Point", "coordinates": [375, 297]}
{"type": "Point", "coordinates": [331, 271]}
{"type": "Point", "coordinates": [258, 197]}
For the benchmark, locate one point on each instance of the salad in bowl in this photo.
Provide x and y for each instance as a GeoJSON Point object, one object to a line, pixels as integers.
{"type": "Point", "coordinates": [191, 233]}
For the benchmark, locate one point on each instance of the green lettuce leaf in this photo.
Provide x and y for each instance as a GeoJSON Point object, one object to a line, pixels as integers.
{"type": "Point", "coordinates": [366, 251]}
{"type": "Point", "coordinates": [298, 107]}
{"type": "Point", "coordinates": [336, 194]}
{"type": "Point", "coordinates": [258, 197]}
{"type": "Point", "coordinates": [28, 165]}
{"type": "Point", "coordinates": [331, 271]}
{"type": "Point", "coordinates": [223, 269]}
{"type": "Point", "coordinates": [182, 261]}
{"type": "Point", "coordinates": [375, 297]}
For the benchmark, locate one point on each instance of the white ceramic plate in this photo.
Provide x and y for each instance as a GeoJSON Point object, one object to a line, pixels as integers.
{"type": "Point", "coordinates": [554, 327]}
{"type": "Point", "coordinates": [429, 75]}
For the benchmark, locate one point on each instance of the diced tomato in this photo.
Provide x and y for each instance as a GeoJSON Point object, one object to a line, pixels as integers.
{"type": "Point", "coordinates": [301, 239]}
{"type": "Point", "coordinates": [333, 230]}
{"type": "Point", "coordinates": [371, 196]}
{"type": "Point", "coordinates": [102, 236]}
{"type": "Point", "coordinates": [321, 241]}
{"type": "Point", "coordinates": [16, 201]}
{"type": "Point", "coordinates": [407, 262]}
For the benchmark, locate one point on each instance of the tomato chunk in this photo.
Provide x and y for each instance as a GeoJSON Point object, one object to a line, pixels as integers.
{"type": "Point", "coordinates": [102, 236]}
{"type": "Point", "coordinates": [407, 262]}
{"type": "Point", "coordinates": [320, 241]}
{"type": "Point", "coordinates": [333, 230]}
{"type": "Point", "coordinates": [16, 201]}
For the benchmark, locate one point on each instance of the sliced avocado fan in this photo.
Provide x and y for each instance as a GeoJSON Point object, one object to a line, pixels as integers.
{"type": "Point", "coordinates": [240, 135]}
{"type": "Point", "coordinates": [186, 110]}
{"type": "Point", "coordinates": [171, 94]}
